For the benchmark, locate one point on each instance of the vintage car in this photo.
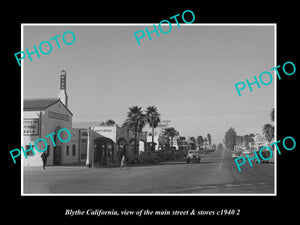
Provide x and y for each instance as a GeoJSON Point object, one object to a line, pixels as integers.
{"type": "Point", "coordinates": [193, 156]}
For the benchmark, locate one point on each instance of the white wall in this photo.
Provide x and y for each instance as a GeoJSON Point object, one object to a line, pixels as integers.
{"type": "Point", "coordinates": [48, 126]}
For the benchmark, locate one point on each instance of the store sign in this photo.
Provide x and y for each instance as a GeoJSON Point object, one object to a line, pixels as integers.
{"type": "Point", "coordinates": [162, 125]}
{"type": "Point", "coordinates": [102, 130]}
{"type": "Point", "coordinates": [58, 116]}
{"type": "Point", "coordinates": [109, 132]}
{"type": "Point", "coordinates": [31, 127]}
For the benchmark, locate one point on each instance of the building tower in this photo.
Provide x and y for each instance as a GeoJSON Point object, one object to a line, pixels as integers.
{"type": "Point", "coordinates": [63, 91]}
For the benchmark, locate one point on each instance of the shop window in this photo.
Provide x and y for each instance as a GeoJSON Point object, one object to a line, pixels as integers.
{"type": "Point", "coordinates": [73, 150]}
{"type": "Point", "coordinates": [67, 149]}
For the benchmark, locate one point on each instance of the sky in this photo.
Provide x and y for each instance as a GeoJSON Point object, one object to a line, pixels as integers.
{"type": "Point", "coordinates": [188, 74]}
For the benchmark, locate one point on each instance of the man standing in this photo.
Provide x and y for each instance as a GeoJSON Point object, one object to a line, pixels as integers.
{"type": "Point", "coordinates": [44, 157]}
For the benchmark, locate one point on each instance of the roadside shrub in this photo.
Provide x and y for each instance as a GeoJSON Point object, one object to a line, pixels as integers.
{"type": "Point", "coordinates": [149, 157]}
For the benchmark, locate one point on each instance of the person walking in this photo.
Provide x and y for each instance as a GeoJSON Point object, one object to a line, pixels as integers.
{"type": "Point", "coordinates": [123, 162]}
{"type": "Point", "coordinates": [44, 157]}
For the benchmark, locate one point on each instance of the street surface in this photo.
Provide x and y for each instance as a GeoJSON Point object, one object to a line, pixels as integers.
{"type": "Point", "coordinates": [217, 173]}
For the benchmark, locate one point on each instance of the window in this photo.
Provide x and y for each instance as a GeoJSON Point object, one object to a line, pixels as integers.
{"type": "Point", "coordinates": [73, 150]}
{"type": "Point", "coordinates": [83, 141]}
{"type": "Point", "coordinates": [84, 133]}
{"type": "Point", "coordinates": [67, 149]}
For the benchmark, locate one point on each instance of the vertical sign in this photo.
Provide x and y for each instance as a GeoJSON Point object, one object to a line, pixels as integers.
{"type": "Point", "coordinates": [63, 80]}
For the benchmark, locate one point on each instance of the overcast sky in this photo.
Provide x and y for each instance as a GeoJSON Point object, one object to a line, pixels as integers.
{"type": "Point", "coordinates": [189, 74]}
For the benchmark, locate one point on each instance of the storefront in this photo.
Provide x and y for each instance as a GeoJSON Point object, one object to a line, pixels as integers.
{"type": "Point", "coordinates": [41, 117]}
{"type": "Point", "coordinates": [107, 144]}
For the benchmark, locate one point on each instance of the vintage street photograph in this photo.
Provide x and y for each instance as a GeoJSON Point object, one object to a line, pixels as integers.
{"type": "Point", "coordinates": [162, 117]}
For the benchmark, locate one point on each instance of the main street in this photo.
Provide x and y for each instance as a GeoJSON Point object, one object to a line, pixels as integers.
{"type": "Point", "coordinates": [217, 173]}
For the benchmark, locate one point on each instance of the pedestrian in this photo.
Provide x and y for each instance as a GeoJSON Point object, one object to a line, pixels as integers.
{"type": "Point", "coordinates": [123, 162]}
{"type": "Point", "coordinates": [44, 157]}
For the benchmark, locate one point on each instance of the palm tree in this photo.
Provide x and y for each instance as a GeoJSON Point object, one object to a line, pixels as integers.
{"type": "Point", "coordinates": [171, 132]}
{"type": "Point", "coordinates": [268, 131]}
{"type": "Point", "coordinates": [136, 120]}
{"type": "Point", "coordinates": [110, 122]}
{"type": "Point", "coordinates": [153, 118]}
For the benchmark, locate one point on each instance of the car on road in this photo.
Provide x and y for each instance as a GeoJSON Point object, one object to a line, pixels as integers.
{"type": "Point", "coordinates": [193, 156]}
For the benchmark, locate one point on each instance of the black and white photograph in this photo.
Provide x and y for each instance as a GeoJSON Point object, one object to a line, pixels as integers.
{"type": "Point", "coordinates": [160, 117]}
{"type": "Point", "coordinates": [145, 114]}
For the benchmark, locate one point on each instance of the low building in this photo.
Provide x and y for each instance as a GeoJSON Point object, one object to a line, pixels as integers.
{"type": "Point", "coordinates": [41, 117]}
{"type": "Point", "coordinates": [106, 144]}
{"type": "Point", "coordinates": [44, 116]}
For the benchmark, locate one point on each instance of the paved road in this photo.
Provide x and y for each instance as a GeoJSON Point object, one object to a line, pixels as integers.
{"type": "Point", "coordinates": [217, 173]}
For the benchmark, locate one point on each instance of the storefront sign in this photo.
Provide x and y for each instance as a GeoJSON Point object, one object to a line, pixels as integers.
{"type": "Point", "coordinates": [109, 132]}
{"type": "Point", "coordinates": [31, 127]}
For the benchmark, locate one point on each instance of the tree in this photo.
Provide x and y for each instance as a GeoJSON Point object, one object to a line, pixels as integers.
{"type": "Point", "coordinates": [171, 132]}
{"type": "Point", "coordinates": [214, 147]}
{"type": "Point", "coordinates": [192, 143]}
{"type": "Point", "coordinates": [153, 118]}
{"type": "Point", "coordinates": [239, 140]}
{"type": "Point", "coordinates": [230, 139]}
{"type": "Point", "coordinates": [220, 147]}
{"type": "Point", "coordinates": [136, 120]}
{"type": "Point", "coordinates": [109, 122]}
{"type": "Point", "coordinates": [246, 139]}
{"type": "Point", "coordinates": [209, 139]}
{"type": "Point", "coordinates": [205, 142]}
{"type": "Point", "coordinates": [272, 115]}
{"type": "Point", "coordinates": [200, 141]}
{"type": "Point", "coordinates": [268, 131]}
{"type": "Point", "coordinates": [252, 139]}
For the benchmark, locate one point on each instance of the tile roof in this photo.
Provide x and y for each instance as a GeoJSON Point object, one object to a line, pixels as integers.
{"type": "Point", "coordinates": [32, 104]}
{"type": "Point", "coordinates": [39, 104]}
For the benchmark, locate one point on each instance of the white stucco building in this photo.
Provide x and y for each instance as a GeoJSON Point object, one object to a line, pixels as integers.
{"type": "Point", "coordinates": [43, 116]}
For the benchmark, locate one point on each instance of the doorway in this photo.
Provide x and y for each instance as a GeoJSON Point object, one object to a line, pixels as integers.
{"type": "Point", "coordinates": [57, 155]}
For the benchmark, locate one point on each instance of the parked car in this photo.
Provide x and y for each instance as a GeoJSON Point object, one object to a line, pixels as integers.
{"type": "Point", "coordinates": [193, 156]}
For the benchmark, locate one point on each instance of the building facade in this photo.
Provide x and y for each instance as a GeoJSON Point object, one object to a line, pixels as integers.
{"type": "Point", "coordinates": [107, 144]}
{"type": "Point", "coordinates": [44, 116]}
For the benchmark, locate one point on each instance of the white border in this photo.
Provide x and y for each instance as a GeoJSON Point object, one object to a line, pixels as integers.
{"type": "Point", "coordinates": [151, 24]}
